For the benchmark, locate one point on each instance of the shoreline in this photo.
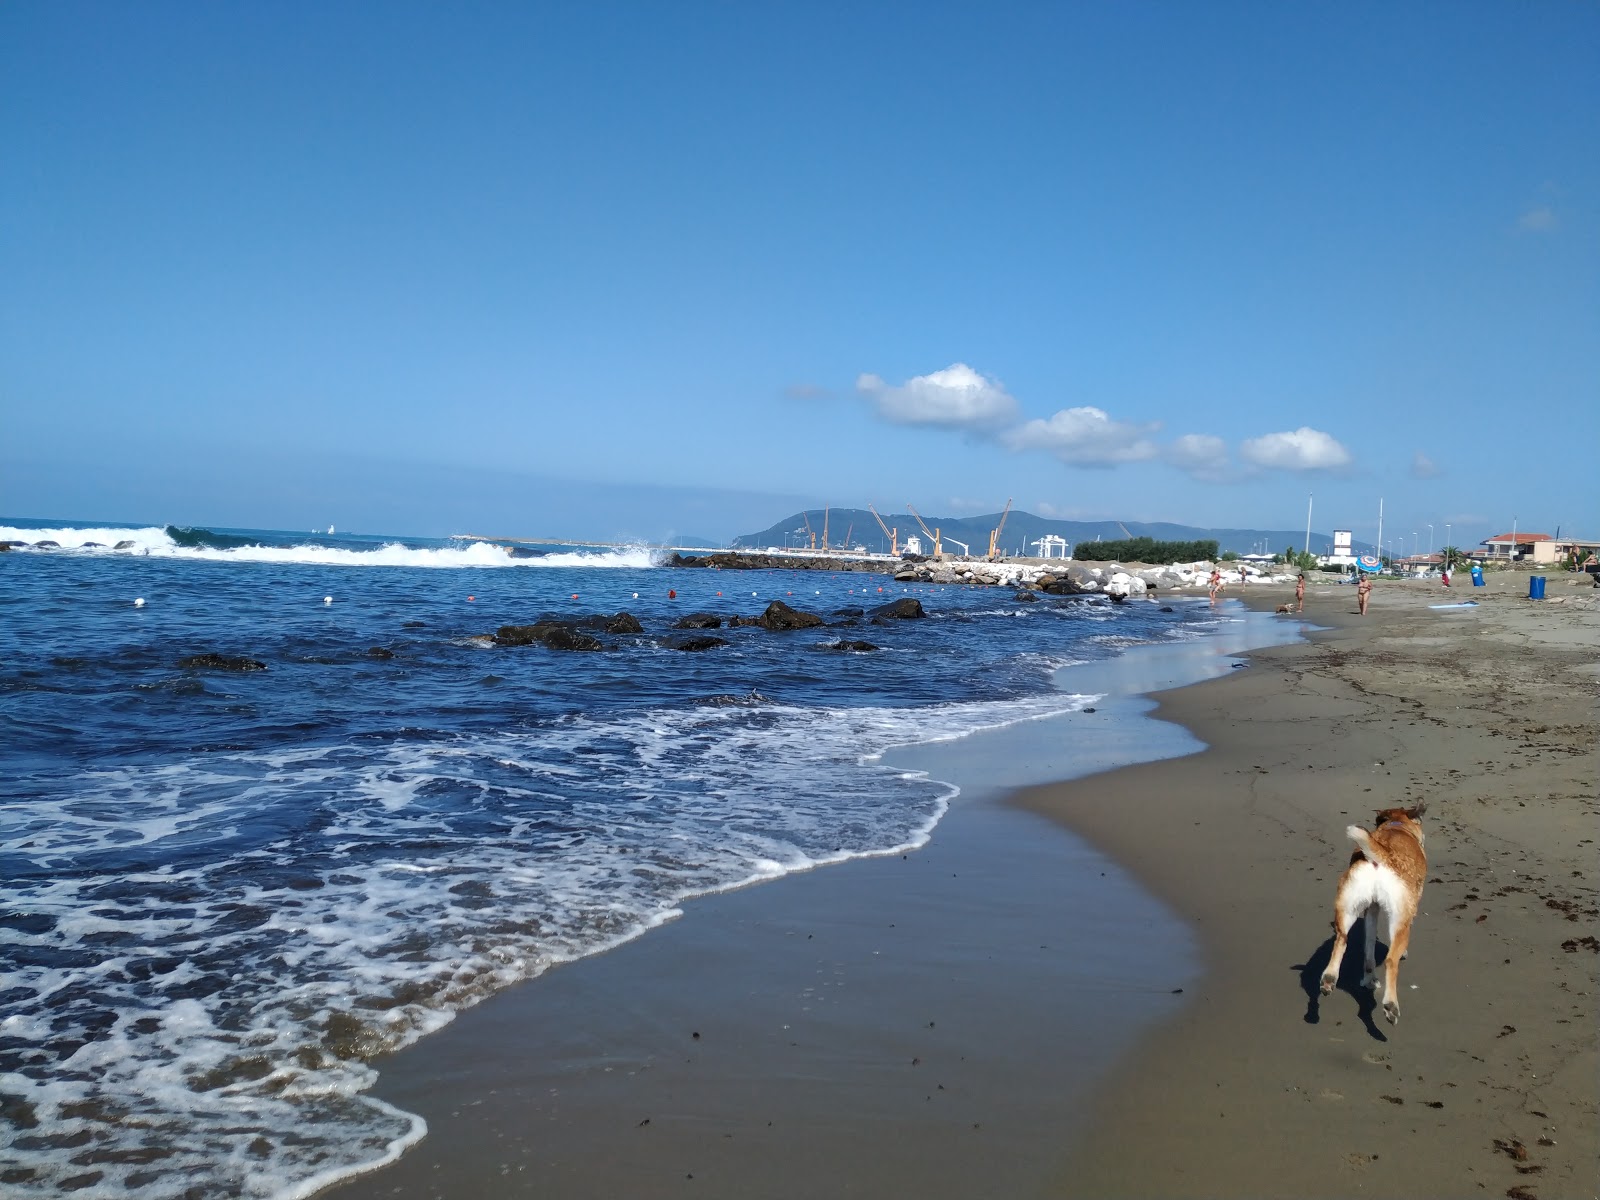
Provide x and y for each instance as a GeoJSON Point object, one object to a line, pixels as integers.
{"type": "Point", "coordinates": [936, 999]}
{"type": "Point", "coordinates": [1261, 1087]}
{"type": "Point", "coordinates": [1100, 1079]}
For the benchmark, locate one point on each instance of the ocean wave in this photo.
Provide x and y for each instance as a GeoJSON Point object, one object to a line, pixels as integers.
{"type": "Point", "coordinates": [203, 957]}
{"type": "Point", "coordinates": [182, 542]}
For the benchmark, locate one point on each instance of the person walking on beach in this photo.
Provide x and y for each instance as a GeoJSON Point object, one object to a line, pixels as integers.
{"type": "Point", "coordinates": [1363, 590]}
{"type": "Point", "coordinates": [1300, 593]}
{"type": "Point", "coordinates": [1216, 585]}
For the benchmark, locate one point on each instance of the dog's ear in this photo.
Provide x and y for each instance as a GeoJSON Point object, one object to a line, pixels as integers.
{"type": "Point", "coordinates": [1384, 815]}
{"type": "Point", "coordinates": [1417, 809]}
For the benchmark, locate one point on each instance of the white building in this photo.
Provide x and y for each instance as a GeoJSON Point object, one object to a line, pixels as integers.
{"type": "Point", "coordinates": [1049, 544]}
{"type": "Point", "coordinates": [1342, 555]}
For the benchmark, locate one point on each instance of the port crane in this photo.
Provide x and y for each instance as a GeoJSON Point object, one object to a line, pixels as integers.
{"type": "Point", "coordinates": [812, 533]}
{"type": "Point", "coordinates": [933, 534]}
{"type": "Point", "coordinates": [892, 534]}
{"type": "Point", "coordinates": [825, 530]}
{"type": "Point", "coordinates": [994, 536]}
{"type": "Point", "coordinates": [966, 550]}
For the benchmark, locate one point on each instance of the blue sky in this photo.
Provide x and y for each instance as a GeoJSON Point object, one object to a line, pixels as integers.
{"type": "Point", "coordinates": [634, 268]}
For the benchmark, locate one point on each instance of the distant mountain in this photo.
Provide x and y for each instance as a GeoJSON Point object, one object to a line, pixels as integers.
{"type": "Point", "coordinates": [1021, 531]}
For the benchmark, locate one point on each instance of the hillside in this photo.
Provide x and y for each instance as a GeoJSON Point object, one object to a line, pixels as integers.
{"type": "Point", "coordinates": [1021, 531]}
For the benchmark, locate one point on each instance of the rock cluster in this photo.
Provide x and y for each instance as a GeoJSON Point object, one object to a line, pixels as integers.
{"type": "Point", "coordinates": [556, 632]}
{"type": "Point", "coordinates": [738, 560]}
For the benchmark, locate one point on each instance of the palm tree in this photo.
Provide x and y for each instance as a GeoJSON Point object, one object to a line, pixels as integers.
{"type": "Point", "coordinates": [1452, 555]}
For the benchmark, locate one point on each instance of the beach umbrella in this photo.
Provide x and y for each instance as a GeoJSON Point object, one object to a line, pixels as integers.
{"type": "Point", "coordinates": [1370, 562]}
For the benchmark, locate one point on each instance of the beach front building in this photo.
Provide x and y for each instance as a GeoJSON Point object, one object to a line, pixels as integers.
{"type": "Point", "coordinates": [1519, 547]}
{"type": "Point", "coordinates": [1535, 548]}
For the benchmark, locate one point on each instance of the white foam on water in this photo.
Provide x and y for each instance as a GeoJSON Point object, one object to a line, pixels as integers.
{"type": "Point", "coordinates": [155, 542]}
{"type": "Point", "coordinates": [206, 1021]}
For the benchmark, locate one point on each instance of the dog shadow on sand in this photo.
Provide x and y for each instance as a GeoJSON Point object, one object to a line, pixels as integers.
{"type": "Point", "coordinates": [1310, 973]}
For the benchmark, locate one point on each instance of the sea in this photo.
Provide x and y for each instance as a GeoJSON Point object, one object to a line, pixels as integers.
{"type": "Point", "coordinates": [226, 894]}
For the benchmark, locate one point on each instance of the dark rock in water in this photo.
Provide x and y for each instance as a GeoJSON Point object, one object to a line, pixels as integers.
{"type": "Point", "coordinates": [47, 544]}
{"type": "Point", "coordinates": [556, 637]}
{"type": "Point", "coordinates": [125, 544]}
{"type": "Point", "coordinates": [696, 643]}
{"type": "Point", "coordinates": [1088, 710]}
{"type": "Point", "coordinates": [698, 621]}
{"type": "Point", "coordinates": [413, 625]}
{"type": "Point", "coordinates": [380, 652]}
{"type": "Point", "coordinates": [779, 615]}
{"type": "Point", "coordinates": [93, 546]}
{"type": "Point", "coordinates": [523, 552]}
{"type": "Point", "coordinates": [622, 622]}
{"type": "Point", "coordinates": [1167, 608]}
{"type": "Point", "coordinates": [1026, 598]}
{"type": "Point", "coordinates": [847, 623]}
{"type": "Point", "coordinates": [845, 644]}
{"type": "Point", "coordinates": [5, 547]}
{"type": "Point", "coordinates": [907, 608]}
{"type": "Point", "coordinates": [849, 612]}
{"type": "Point", "coordinates": [220, 662]}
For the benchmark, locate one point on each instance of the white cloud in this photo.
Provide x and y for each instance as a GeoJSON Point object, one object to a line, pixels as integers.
{"type": "Point", "coordinates": [1423, 467]}
{"type": "Point", "coordinates": [1304, 449]}
{"type": "Point", "coordinates": [1201, 455]}
{"type": "Point", "coordinates": [1541, 218]}
{"type": "Point", "coordinates": [1085, 437]}
{"type": "Point", "coordinates": [954, 398]}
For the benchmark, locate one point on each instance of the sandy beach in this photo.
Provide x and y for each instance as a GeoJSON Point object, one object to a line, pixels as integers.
{"type": "Point", "coordinates": [1258, 1087]}
{"type": "Point", "coordinates": [1106, 986]}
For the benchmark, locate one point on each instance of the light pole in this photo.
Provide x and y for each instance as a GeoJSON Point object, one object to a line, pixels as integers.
{"type": "Point", "coordinates": [1447, 542]}
{"type": "Point", "coordinates": [1309, 497]}
{"type": "Point", "coordinates": [1430, 540]}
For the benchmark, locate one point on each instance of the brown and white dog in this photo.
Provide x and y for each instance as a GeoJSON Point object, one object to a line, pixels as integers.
{"type": "Point", "coordinates": [1386, 872]}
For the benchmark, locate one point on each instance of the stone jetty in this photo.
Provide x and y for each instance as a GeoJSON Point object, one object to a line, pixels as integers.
{"type": "Point", "coordinates": [1056, 577]}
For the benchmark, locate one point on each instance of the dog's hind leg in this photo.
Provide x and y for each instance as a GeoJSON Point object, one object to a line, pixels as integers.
{"type": "Point", "coordinates": [1344, 916]}
{"type": "Point", "coordinates": [1399, 939]}
{"type": "Point", "coordinates": [1369, 960]}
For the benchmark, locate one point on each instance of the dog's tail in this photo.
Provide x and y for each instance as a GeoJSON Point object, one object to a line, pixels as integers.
{"type": "Point", "coordinates": [1369, 849]}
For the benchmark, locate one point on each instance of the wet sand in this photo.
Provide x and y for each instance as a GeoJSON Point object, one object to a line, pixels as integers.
{"type": "Point", "coordinates": [1259, 1087]}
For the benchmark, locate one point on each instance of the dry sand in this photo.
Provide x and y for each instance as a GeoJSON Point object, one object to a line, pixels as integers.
{"type": "Point", "coordinates": [1259, 1087]}
{"type": "Point", "coordinates": [996, 1015]}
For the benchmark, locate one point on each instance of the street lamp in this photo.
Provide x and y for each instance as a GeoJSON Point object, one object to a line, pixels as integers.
{"type": "Point", "coordinates": [1430, 539]}
{"type": "Point", "coordinates": [1447, 542]}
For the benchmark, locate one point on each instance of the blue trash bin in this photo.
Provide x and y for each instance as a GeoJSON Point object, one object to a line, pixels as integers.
{"type": "Point", "coordinates": [1477, 576]}
{"type": "Point", "coordinates": [1535, 587]}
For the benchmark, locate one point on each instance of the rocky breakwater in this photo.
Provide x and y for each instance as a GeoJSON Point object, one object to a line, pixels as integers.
{"type": "Point", "coordinates": [1071, 578]}
{"type": "Point", "coordinates": [736, 560]}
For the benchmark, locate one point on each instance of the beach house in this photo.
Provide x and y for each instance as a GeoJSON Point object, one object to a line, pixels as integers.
{"type": "Point", "coordinates": [1535, 548]}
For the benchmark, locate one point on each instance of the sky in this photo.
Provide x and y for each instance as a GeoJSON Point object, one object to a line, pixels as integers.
{"type": "Point", "coordinates": [639, 269]}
